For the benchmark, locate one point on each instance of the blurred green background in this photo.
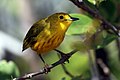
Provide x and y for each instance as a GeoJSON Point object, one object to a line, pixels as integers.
{"type": "Point", "coordinates": [17, 16]}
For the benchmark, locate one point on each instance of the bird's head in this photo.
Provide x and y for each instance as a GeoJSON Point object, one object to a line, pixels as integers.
{"type": "Point", "coordinates": [62, 19]}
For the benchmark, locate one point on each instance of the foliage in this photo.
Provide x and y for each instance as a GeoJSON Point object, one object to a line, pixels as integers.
{"type": "Point", "coordinates": [88, 25]}
{"type": "Point", "coordinates": [8, 70]}
{"type": "Point", "coordinates": [95, 2]}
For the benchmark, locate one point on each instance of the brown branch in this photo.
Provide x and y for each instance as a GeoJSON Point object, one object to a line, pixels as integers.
{"type": "Point", "coordinates": [95, 13]}
{"type": "Point", "coordinates": [48, 68]}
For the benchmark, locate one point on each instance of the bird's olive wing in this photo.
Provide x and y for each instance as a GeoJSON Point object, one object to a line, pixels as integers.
{"type": "Point", "coordinates": [32, 34]}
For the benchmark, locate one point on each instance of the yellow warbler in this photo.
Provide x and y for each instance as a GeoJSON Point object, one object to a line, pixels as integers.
{"type": "Point", "coordinates": [48, 33]}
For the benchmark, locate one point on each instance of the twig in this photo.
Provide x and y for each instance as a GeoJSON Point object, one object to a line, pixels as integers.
{"type": "Point", "coordinates": [66, 71]}
{"type": "Point", "coordinates": [49, 67]}
{"type": "Point", "coordinates": [94, 13]}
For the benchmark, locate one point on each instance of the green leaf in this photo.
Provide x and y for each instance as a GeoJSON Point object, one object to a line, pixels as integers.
{"type": "Point", "coordinates": [103, 39]}
{"type": "Point", "coordinates": [83, 25]}
{"type": "Point", "coordinates": [92, 1]}
{"type": "Point", "coordinates": [87, 27]}
{"type": "Point", "coordinates": [108, 10]}
{"type": "Point", "coordinates": [95, 2]}
{"type": "Point", "coordinates": [8, 70]}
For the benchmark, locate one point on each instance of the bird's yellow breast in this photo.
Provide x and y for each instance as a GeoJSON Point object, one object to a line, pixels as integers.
{"type": "Point", "coordinates": [49, 40]}
{"type": "Point", "coordinates": [50, 43]}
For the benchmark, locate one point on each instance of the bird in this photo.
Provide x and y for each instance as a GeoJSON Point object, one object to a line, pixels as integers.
{"type": "Point", "coordinates": [48, 33]}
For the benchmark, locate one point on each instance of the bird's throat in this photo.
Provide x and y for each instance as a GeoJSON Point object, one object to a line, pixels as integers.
{"type": "Point", "coordinates": [62, 26]}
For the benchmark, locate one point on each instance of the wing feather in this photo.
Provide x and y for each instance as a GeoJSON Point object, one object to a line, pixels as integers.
{"type": "Point", "coordinates": [33, 32]}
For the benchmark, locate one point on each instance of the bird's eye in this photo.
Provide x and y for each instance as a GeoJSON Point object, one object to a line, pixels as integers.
{"type": "Point", "coordinates": [61, 17]}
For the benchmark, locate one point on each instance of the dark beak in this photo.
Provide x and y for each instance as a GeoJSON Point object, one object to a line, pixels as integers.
{"type": "Point", "coordinates": [74, 19]}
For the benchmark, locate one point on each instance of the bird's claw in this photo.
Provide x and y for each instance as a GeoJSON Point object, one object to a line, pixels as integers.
{"type": "Point", "coordinates": [46, 68]}
{"type": "Point", "coordinates": [65, 56]}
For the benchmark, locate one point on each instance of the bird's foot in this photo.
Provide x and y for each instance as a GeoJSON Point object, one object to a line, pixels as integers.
{"type": "Point", "coordinates": [46, 68]}
{"type": "Point", "coordinates": [63, 55]}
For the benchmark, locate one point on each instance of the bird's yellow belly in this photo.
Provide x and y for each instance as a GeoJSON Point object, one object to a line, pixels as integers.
{"type": "Point", "coordinates": [42, 46]}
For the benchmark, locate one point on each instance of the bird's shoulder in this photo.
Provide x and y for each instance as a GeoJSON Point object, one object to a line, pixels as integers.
{"type": "Point", "coordinates": [36, 28]}
{"type": "Point", "coordinates": [33, 32]}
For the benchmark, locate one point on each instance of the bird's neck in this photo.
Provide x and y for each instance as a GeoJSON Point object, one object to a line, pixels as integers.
{"type": "Point", "coordinates": [63, 27]}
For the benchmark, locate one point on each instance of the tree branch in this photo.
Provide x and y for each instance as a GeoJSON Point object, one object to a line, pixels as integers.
{"type": "Point", "coordinates": [95, 13]}
{"type": "Point", "coordinates": [48, 68]}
